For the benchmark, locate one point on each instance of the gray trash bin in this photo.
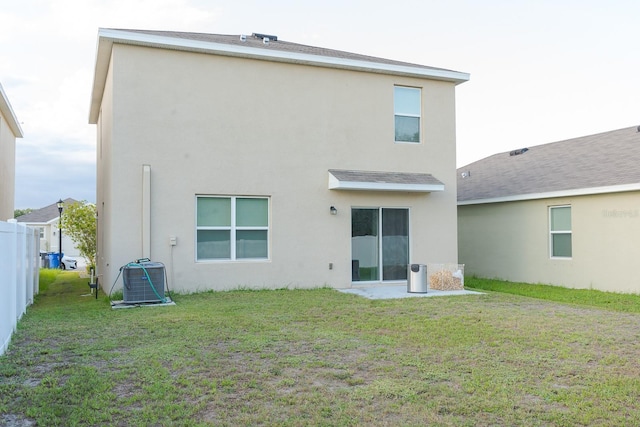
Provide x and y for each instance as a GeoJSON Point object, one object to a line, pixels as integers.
{"type": "Point", "coordinates": [44, 260]}
{"type": "Point", "coordinates": [417, 278]}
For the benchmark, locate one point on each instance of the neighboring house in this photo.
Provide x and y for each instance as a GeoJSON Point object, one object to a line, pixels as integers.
{"type": "Point", "coordinates": [251, 161]}
{"type": "Point", "coordinates": [46, 220]}
{"type": "Point", "coordinates": [9, 131]}
{"type": "Point", "coordinates": [565, 213]}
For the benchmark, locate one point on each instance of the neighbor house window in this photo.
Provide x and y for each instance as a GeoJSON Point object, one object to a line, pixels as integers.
{"type": "Point", "coordinates": [41, 231]}
{"type": "Point", "coordinates": [560, 231]}
{"type": "Point", "coordinates": [232, 228]}
{"type": "Point", "coordinates": [407, 111]}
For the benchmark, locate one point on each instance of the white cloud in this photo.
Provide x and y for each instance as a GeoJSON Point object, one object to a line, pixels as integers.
{"type": "Point", "coordinates": [47, 53]}
{"type": "Point", "coordinates": [540, 71]}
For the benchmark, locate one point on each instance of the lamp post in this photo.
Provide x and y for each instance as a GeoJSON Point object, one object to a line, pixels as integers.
{"type": "Point", "coordinates": [60, 205]}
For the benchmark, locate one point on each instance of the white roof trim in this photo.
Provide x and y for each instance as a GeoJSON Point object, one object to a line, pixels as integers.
{"type": "Point", "coordinates": [106, 38]}
{"type": "Point", "coordinates": [36, 223]}
{"type": "Point", "coordinates": [336, 184]}
{"type": "Point", "coordinates": [555, 194]}
{"type": "Point", "coordinates": [9, 115]}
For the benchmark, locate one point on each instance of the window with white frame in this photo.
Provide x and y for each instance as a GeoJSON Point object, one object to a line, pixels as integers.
{"type": "Point", "coordinates": [407, 111]}
{"type": "Point", "coordinates": [560, 231]}
{"type": "Point", "coordinates": [232, 228]}
{"type": "Point", "coordinates": [41, 231]}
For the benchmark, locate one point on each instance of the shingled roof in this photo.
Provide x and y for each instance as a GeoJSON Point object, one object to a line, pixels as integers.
{"type": "Point", "coordinates": [44, 215]}
{"type": "Point", "coordinates": [254, 46]}
{"type": "Point", "coordinates": [257, 41]}
{"type": "Point", "coordinates": [599, 163]}
{"type": "Point", "coordinates": [383, 181]}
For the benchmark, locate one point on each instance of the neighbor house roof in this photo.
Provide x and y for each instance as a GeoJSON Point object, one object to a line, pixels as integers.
{"type": "Point", "coordinates": [9, 115]}
{"type": "Point", "coordinates": [602, 163]}
{"type": "Point", "coordinates": [44, 215]}
{"type": "Point", "coordinates": [255, 46]}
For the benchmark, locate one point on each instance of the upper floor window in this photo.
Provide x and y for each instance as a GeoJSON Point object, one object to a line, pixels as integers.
{"type": "Point", "coordinates": [407, 111]}
{"type": "Point", "coordinates": [232, 228]}
{"type": "Point", "coordinates": [560, 231]}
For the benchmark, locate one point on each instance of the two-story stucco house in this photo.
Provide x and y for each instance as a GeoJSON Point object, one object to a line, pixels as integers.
{"type": "Point", "coordinates": [565, 213]}
{"type": "Point", "coordinates": [9, 130]}
{"type": "Point", "coordinates": [251, 161]}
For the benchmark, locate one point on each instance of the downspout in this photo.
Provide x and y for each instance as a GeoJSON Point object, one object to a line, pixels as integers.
{"type": "Point", "coordinates": [146, 211]}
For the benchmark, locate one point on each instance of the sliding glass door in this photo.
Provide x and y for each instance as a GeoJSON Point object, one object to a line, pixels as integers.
{"type": "Point", "coordinates": [395, 244]}
{"type": "Point", "coordinates": [379, 244]}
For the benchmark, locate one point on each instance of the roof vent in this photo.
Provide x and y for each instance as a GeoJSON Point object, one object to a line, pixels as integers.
{"type": "Point", "coordinates": [518, 152]}
{"type": "Point", "coordinates": [266, 38]}
{"type": "Point", "coordinates": [243, 38]}
{"type": "Point", "coordinates": [465, 174]}
{"type": "Point", "coordinates": [638, 128]}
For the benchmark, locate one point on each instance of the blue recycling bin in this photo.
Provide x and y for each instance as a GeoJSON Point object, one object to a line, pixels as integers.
{"type": "Point", "coordinates": [54, 260]}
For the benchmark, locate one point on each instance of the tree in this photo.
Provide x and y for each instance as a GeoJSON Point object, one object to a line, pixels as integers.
{"type": "Point", "coordinates": [20, 212]}
{"type": "Point", "coordinates": [79, 222]}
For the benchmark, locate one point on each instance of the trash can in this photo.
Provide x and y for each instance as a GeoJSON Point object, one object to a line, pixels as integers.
{"type": "Point", "coordinates": [417, 278]}
{"type": "Point", "coordinates": [44, 260]}
{"type": "Point", "coordinates": [54, 260]}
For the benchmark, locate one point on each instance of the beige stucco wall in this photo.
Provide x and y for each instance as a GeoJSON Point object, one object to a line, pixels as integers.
{"type": "Point", "coordinates": [105, 268]}
{"type": "Point", "coordinates": [510, 241]}
{"type": "Point", "coordinates": [212, 125]}
{"type": "Point", "coordinates": [7, 170]}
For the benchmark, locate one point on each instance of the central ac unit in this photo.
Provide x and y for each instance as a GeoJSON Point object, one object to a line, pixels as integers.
{"type": "Point", "coordinates": [143, 282]}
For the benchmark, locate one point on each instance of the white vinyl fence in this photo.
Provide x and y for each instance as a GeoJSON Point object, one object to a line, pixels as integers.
{"type": "Point", "coordinates": [19, 275]}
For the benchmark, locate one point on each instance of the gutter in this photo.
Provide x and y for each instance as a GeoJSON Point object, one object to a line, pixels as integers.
{"type": "Point", "coordinates": [555, 194]}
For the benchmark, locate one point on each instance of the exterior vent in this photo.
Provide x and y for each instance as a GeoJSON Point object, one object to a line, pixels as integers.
{"type": "Point", "coordinates": [465, 174]}
{"type": "Point", "coordinates": [143, 282]}
{"type": "Point", "coordinates": [518, 152]}
{"type": "Point", "coordinates": [266, 38]}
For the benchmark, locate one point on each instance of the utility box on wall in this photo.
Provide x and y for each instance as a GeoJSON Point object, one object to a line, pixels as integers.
{"type": "Point", "coordinates": [143, 282]}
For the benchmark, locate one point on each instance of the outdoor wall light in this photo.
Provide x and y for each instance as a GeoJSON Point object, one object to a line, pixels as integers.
{"type": "Point", "coordinates": [333, 210]}
{"type": "Point", "coordinates": [60, 205]}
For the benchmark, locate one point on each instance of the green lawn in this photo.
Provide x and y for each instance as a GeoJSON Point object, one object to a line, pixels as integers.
{"type": "Point", "coordinates": [321, 357]}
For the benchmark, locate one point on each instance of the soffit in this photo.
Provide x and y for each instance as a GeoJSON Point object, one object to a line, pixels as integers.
{"type": "Point", "coordinates": [9, 115]}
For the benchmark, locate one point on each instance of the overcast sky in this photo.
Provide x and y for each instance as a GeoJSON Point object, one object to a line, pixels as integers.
{"type": "Point", "coordinates": [541, 70]}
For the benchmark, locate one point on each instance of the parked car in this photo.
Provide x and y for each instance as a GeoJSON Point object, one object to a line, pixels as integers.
{"type": "Point", "coordinates": [69, 263]}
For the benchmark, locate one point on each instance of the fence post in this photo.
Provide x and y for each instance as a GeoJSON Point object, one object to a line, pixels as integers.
{"type": "Point", "coordinates": [20, 268]}
{"type": "Point", "coordinates": [31, 269]}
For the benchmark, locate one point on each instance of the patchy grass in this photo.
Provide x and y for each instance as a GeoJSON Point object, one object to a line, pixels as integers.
{"type": "Point", "coordinates": [47, 276]}
{"type": "Point", "coordinates": [319, 357]}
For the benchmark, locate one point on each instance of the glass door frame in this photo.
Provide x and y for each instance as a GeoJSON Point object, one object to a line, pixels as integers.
{"type": "Point", "coordinates": [380, 248]}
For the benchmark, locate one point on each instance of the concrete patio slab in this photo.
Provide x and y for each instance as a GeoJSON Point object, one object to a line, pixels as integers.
{"type": "Point", "coordinates": [400, 291]}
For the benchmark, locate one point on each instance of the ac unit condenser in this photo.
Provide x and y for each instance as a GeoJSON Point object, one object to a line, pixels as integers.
{"type": "Point", "coordinates": [143, 282]}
